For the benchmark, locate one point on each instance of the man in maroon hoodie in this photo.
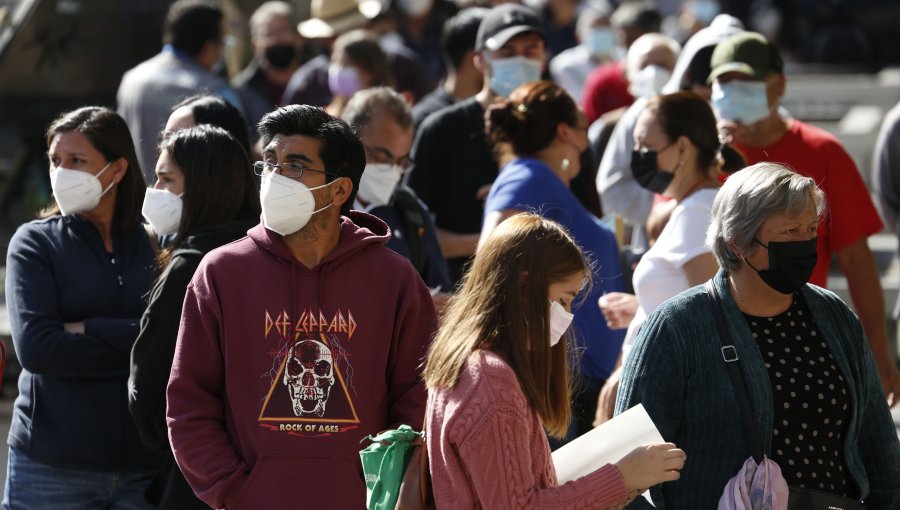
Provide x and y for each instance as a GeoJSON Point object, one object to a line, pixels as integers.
{"type": "Point", "coordinates": [300, 339]}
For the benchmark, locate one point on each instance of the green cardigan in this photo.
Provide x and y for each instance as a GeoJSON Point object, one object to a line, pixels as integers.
{"type": "Point", "coordinates": [677, 372]}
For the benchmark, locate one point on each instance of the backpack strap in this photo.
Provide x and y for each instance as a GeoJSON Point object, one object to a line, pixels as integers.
{"type": "Point", "coordinates": [187, 252]}
{"type": "Point", "coordinates": [414, 224]}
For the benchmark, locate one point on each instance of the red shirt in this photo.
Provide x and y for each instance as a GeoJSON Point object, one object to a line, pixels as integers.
{"type": "Point", "coordinates": [605, 90]}
{"type": "Point", "coordinates": [850, 214]}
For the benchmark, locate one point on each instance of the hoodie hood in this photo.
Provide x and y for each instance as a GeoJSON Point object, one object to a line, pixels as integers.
{"type": "Point", "coordinates": [358, 230]}
{"type": "Point", "coordinates": [722, 26]}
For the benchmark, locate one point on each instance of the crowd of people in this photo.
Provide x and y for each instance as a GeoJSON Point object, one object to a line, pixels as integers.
{"type": "Point", "coordinates": [498, 224]}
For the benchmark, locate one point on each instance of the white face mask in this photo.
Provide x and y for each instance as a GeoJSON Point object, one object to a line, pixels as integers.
{"type": "Point", "coordinates": [287, 205]}
{"type": "Point", "coordinates": [76, 191]}
{"type": "Point", "coordinates": [378, 182]}
{"type": "Point", "coordinates": [560, 320]}
{"type": "Point", "coordinates": [414, 8]}
{"type": "Point", "coordinates": [507, 74]}
{"type": "Point", "coordinates": [162, 209]}
{"type": "Point", "coordinates": [649, 81]}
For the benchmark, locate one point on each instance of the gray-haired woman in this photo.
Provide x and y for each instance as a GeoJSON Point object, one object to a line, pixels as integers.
{"type": "Point", "coordinates": [812, 384]}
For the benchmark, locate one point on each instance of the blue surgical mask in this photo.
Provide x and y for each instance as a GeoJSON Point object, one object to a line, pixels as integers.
{"type": "Point", "coordinates": [742, 101]}
{"type": "Point", "coordinates": [507, 74]}
{"type": "Point", "coordinates": [705, 10]}
{"type": "Point", "coordinates": [600, 41]}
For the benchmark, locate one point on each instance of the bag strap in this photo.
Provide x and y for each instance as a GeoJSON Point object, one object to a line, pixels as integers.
{"type": "Point", "coordinates": [414, 223]}
{"type": "Point", "coordinates": [426, 492]}
{"type": "Point", "coordinates": [187, 252]}
{"type": "Point", "coordinates": [730, 355]}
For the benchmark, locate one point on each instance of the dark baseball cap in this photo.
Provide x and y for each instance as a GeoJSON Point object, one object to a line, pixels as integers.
{"type": "Point", "coordinates": [749, 53]}
{"type": "Point", "coordinates": [504, 22]}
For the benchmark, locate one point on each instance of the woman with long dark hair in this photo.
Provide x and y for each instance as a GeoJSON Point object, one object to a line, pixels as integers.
{"type": "Point", "coordinates": [75, 285]}
{"type": "Point", "coordinates": [205, 195]}
{"type": "Point", "coordinates": [541, 133]}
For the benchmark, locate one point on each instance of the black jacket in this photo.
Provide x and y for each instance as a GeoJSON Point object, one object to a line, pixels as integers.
{"type": "Point", "coordinates": [151, 358]}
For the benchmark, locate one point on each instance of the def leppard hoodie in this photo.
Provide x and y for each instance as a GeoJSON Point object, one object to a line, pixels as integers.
{"type": "Point", "coordinates": [280, 370]}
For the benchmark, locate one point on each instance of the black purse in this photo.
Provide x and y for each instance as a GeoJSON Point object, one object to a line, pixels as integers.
{"type": "Point", "coordinates": [799, 498]}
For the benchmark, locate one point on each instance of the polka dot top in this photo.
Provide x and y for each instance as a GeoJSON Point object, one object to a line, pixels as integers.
{"type": "Point", "coordinates": [812, 405]}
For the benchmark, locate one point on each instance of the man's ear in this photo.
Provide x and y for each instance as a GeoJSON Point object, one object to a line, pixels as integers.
{"type": "Point", "coordinates": [777, 86]}
{"type": "Point", "coordinates": [479, 61]}
{"type": "Point", "coordinates": [209, 53]}
{"type": "Point", "coordinates": [343, 187]}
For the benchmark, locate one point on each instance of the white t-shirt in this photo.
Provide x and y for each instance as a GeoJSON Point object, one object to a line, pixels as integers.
{"type": "Point", "coordinates": [660, 274]}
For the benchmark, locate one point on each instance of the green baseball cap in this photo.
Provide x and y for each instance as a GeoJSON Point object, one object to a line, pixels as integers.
{"type": "Point", "coordinates": [748, 53]}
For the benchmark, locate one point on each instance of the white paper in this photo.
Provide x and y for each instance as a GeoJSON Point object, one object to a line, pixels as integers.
{"type": "Point", "coordinates": [606, 444]}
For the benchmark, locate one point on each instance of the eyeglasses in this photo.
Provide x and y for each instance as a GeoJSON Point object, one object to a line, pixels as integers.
{"type": "Point", "coordinates": [380, 155]}
{"type": "Point", "coordinates": [290, 170]}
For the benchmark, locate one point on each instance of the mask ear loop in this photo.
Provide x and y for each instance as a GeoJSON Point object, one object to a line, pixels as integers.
{"type": "Point", "coordinates": [111, 184]}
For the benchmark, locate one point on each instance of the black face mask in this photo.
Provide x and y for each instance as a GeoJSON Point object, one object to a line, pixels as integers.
{"type": "Point", "coordinates": [281, 56]}
{"type": "Point", "coordinates": [646, 171]}
{"type": "Point", "coordinates": [791, 263]}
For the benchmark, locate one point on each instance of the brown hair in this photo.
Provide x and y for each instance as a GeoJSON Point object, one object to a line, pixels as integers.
{"type": "Point", "coordinates": [362, 50]}
{"type": "Point", "coordinates": [364, 104]}
{"type": "Point", "coordinates": [689, 114]}
{"type": "Point", "coordinates": [109, 134]}
{"type": "Point", "coordinates": [503, 306]}
{"type": "Point", "coordinates": [527, 121]}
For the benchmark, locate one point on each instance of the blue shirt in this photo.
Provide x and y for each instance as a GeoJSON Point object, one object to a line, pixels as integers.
{"type": "Point", "coordinates": [529, 185]}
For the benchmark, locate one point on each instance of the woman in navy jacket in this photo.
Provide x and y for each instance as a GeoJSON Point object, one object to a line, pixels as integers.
{"type": "Point", "coordinates": [209, 170]}
{"type": "Point", "coordinates": [75, 284]}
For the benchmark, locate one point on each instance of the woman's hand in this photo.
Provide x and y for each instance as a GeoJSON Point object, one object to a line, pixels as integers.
{"type": "Point", "coordinates": [651, 464]}
{"type": "Point", "coordinates": [618, 308]}
{"type": "Point", "coordinates": [73, 327]}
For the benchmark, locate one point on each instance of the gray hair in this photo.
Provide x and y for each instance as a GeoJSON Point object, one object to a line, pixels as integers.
{"type": "Point", "coordinates": [269, 10]}
{"type": "Point", "coordinates": [363, 105]}
{"type": "Point", "coordinates": [645, 45]}
{"type": "Point", "coordinates": [747, 199]}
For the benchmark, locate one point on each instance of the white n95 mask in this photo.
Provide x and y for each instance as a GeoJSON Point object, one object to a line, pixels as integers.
{"type": "Point", "coordinates": [649, 81]}
{"type": "Point", "coordinates": [162, 210]}
{"type": "Point", "coordinates": [287, 205]}
{"type": "Point", "coordinates": [560, 320]}
{"type": "Point", "coordinates": [76, 191]}
{"type": "Point", "coordinates": [378, 182]}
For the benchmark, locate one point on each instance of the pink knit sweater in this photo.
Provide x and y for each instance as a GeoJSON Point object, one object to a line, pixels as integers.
{"type": "Point", "coordinates": [488, 449]}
